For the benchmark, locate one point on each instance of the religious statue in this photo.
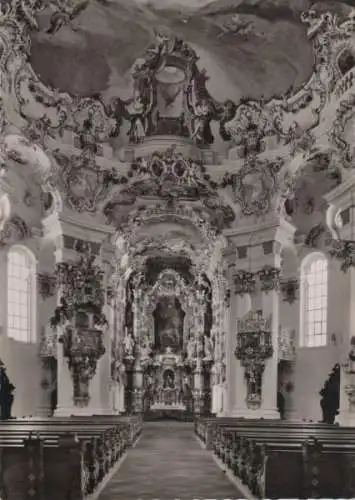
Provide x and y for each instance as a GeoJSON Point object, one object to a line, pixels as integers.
{"type": "Point", "coordinates": [169, 382]}
{"type": "Point", "coordinates": [6, 394]}
{"type": "Point", "coordinates": [208, 348]}
{"type": "Point", "coordinates": [191, 348]}
{"type": "Point", "coordinates": [351, 356]}
{"type": "Point", "coordinates": [137, 110]}
{"type": "Point", "coordinates": [128, 343]}
{"type": "Point", "coordinates": [200, 346]}
{"type": "Point", "coordinates": [145, 349]}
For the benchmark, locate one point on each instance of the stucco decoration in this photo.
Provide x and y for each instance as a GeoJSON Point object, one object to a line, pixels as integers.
{"type": "Point", "coordinates": [170, 88]}
{"type": "Point", "coordinates": [171, 178]}
{"type": "Point", "coordinates": [13, 231]}
{"type": "Point", "coordinates": [84, 183]}
{"type": "Point", "coordinates": [5, 208]}
{"type": "Point", "coordinates": [255, 185]}
{"type": "Point", "coordinates": [182, 213]}
{"type": "Point", "coordinates": [254, 348]}
{"type": "Point", "coordinates": [21, 151]}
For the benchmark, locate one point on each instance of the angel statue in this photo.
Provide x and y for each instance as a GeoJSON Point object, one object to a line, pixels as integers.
{"type": "Point", "coordinates": [136, 111]}
{"type": "Point", "coordinates": [201, 117]}
{"type": "Point", "coordinates": [128, 343]}
{"type": "Point", "coordinates": [64, 13]}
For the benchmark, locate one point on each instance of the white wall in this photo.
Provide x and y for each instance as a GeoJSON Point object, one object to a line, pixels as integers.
{"type": "Point", "coordinates": [313, 364]}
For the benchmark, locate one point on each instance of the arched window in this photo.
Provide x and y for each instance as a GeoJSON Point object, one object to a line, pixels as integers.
{"type": "Point", "coordinates": [314, 301]}
{"type": "Point", "coordinates": [21, 294]}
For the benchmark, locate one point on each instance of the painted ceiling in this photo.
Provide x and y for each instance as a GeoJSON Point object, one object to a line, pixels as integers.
{"type": "Point", "coordinates": [249, 48]}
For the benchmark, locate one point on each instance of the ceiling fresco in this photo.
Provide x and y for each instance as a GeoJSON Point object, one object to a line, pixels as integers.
{"type": "Point", "coordinates": [91, 47]}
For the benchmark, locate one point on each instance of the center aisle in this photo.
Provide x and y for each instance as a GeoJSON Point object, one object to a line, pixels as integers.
{"type": "Point", "coordinates": [168, 463]}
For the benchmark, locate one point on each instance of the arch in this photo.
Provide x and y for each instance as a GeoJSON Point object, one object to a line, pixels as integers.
{"type": "Point", "coordinates": [21, 294]}
{"type": "Point", "coordinates": [314, 300]}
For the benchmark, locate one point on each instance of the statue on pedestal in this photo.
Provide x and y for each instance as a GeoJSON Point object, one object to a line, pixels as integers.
{"type": "Point", "coordinates": [208, 348]}
{"type": "Point", "coordinates": [128, 343]}
{"type": "Point", "coordinates": [6, 394]}
{"type": "Point", "coordinates": [351, 357]}
{"type": "Point", "coordinates": [191, 348]}
{"type": "Point", "coordinates": [145, 349]}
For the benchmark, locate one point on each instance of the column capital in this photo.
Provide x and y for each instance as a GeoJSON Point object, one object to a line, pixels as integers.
{"type": "Point", "coordinates": [269, 277]}
{"type": "Point", "coordinates": [244, 282]}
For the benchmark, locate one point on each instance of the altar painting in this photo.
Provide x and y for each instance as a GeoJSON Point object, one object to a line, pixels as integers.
{"type": "Point", "coordinates": [169, 324]}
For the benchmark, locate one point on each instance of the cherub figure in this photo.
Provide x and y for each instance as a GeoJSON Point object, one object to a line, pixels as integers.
{"type": "Point", "coordinates": [64, 13]}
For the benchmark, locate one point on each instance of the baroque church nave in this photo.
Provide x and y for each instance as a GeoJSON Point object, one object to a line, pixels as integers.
{"type": "Point", "coordinates": [177, 233]}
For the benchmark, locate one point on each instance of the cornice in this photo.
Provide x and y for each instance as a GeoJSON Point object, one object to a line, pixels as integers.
{"type": "Point", "coordinates": [65, 225]}
{"type": "Point", "coordinates": [276, 228]}
{"type": "Point", "coordinates": [343, 194]}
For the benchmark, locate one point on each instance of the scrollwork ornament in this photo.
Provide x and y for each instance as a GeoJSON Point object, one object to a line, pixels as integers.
{"type": "Point", "coordinates": [255, 185]}
{"type": "Point", "coordinates": [254, 347]}
{"type": "Point", "coordinates": [83, 347]}
{"type": "Point", "coordinates": [85, 184]}
{"type": "Point", "coordinates": [289, 289]}
{"type": "Point", "coordinates": [244, 282]}
{"type": "Point", "coordinates": [46, 284]}
{"type": "Point", "coordinates": [269, 278]}
{"type": "Point", "coordinates": [344, 251]}
{"type": "Point", "coordinates": [15, 229]}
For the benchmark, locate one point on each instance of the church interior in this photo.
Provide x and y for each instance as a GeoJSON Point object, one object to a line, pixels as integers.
{"type": "Point", "coordinates": [177, 249]}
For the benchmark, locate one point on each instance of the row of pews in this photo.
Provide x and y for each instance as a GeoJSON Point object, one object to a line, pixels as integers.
{"type": "Point", "coordinates": [61, 459]}
{"type": "Point", "coordinates": [281, 459]}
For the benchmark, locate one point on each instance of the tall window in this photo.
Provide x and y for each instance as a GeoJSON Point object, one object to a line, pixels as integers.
{"type": "Point", "coordinates": [21, 307]}
{"type": "Point", "coordinates": [314, 301]}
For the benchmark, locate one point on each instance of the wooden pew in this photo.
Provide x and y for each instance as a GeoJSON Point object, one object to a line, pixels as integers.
{"type": "Point", "coordinates": [276, 460]}
{"type": "Point", "coordinates": [60, 458]}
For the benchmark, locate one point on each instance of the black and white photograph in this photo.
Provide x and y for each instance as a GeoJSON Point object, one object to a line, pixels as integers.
{"type": "Point", "coordinates": [177, 249]}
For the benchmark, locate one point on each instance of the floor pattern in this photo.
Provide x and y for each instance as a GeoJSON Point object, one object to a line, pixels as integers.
{"type": "Point", "coordinates": [169, 464]}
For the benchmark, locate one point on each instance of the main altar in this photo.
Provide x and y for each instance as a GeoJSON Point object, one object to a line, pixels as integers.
{"type": "Point", "coordinates": [167, 345]}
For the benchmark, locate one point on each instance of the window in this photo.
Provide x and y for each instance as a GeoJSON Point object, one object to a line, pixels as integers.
{"type": "Point", "coordinates": [314, 301]}
{"type": "Point", "coordinates": [21, 307]}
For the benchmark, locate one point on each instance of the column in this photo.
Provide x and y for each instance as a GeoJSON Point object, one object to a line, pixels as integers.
{"type": "Point", "coordinates": [256, 280]}
{"type": "Point", "coordinates": [341, 223]}
{"type": "Point", "coordinates": [82, 348]}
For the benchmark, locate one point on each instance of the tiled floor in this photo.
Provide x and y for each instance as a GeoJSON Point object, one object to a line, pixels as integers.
{"type": "Point", "coordinates": [167, 464]}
